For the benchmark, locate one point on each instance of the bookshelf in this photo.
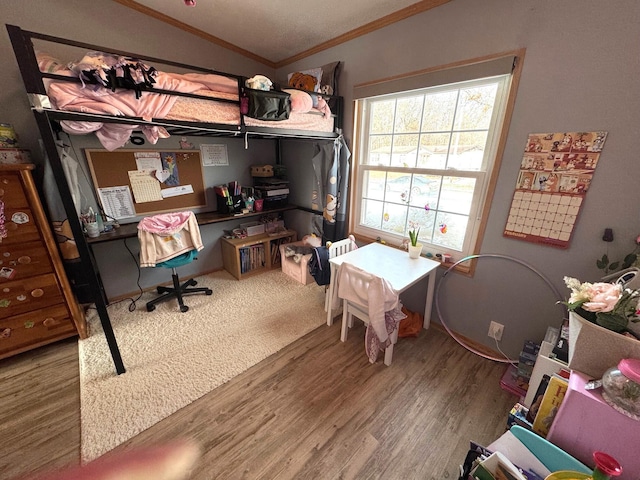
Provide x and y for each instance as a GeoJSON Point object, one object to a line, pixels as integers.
{"type": "Point", "coordinates": [243, 257]}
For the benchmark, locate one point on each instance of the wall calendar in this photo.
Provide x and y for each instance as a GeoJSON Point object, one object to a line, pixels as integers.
{"type": "Point", "coordinates": [555, 175]}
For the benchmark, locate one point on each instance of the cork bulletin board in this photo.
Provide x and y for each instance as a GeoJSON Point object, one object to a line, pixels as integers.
{"type": "Point", "coordinates": [139, 182]}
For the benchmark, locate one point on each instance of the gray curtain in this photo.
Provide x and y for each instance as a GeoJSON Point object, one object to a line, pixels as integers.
{"type": "Point", "coordinates": [331, 169]}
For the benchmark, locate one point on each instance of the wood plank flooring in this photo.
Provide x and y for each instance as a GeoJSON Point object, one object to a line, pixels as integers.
{"type": "Point", "coordinates": [316, 410]}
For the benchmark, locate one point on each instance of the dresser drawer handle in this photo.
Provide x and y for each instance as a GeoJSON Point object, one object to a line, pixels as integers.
{"type": "Point", "coordinates": [37, 292]}
{"type": "Point", "coordinates": [50, 322]}
{"type": "Point", "coordinates": [20, 218]}
{"type": "Point", "coordinates": [6, 333]}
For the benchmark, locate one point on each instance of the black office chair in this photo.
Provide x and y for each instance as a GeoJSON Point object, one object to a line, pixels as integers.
{"type": "Point", "coordinates": [178, 290]}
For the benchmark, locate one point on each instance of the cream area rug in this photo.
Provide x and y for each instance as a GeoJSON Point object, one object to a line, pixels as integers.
{"type": "Point", "coordinates": [174, 358]}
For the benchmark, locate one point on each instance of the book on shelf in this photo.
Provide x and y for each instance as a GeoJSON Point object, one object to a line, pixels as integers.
{"type": "Point", "coordinates": [527, 463]}
{"type": "Point", "coordinates": [518, 416]}
{"type": "Point", "coordinates": [251, 257]}
{"type": "Point", "coordinates": [537, 398]}
{"type": "Point", "coordinates": [497, 467]}
{"type": "Point", "coordinates": [561, 347]}
{"type": "Point", "coordinates": [277, 192]}
{"type": "Point", "coordinates": [526, 362]}
{"type": "Point", "coordinates": [551, 401]}
{"type": "Point", "coordinates": [546, 364]}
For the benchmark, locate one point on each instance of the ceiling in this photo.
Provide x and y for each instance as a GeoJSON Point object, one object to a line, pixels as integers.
{"type": "Point", "coordinates": [279, 32]}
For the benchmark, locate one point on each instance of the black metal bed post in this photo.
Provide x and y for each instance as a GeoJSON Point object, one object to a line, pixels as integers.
{"type": "Point", "coordinates": [86, 255]}
{"type": "Point", "coordinates": [25, 56]}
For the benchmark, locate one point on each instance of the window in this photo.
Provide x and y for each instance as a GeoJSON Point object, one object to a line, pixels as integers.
{"type": "Point", "coordinates": [425, 158]}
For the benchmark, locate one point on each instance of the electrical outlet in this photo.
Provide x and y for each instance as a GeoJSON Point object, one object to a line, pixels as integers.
{"type": "Point", "coordinates": [495, 330]}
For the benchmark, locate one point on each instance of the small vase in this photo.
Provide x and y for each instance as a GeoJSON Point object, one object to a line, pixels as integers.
{"type": "Point", "coordinates": [414, 252]}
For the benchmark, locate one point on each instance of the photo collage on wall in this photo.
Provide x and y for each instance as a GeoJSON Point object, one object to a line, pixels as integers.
{"type": "Point", "coordinates": [555, 175]}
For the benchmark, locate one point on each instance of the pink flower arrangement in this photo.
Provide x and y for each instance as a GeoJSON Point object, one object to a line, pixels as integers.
{"type": "Point", "coordinates": [603, 297]}
{"type": "Point", "coordinates": [609, 305]}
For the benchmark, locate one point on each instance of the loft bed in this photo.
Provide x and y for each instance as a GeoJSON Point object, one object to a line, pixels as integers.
{"type": "Point", "coordinates": [81, 95]}
{"type": "Point", "coordinates": [137, 96]}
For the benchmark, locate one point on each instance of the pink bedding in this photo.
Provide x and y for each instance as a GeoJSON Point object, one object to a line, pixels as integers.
{"type": "Point", "coordinates": [97, 100]}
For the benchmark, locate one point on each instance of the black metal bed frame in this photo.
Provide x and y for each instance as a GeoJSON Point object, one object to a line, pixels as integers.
{"type": "Point", "coordinates": [46, 118]}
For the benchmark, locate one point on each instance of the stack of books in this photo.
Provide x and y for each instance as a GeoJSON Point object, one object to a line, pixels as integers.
{"type": "Point", "coordinates": [274, 191]}
{"type": "Point", "coordinates": [546, 402]}
{"type": "Point", "coordinates": [526, 362]}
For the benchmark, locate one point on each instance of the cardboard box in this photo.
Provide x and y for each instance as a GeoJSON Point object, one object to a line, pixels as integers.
{"type": "Point", "coordinates": [262, 170]}
{"type": "Point", "coordinates": [299, 271]}
{"type": "Point", "coordinates": [594, 349]}
{"type": "Point", "coordinates": [253, 228]}
{"type": "Point", "coordinates": [275, 226]}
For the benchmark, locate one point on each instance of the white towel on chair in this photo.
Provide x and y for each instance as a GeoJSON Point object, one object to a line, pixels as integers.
{"type": "Point", "coordinates": [372, 293]}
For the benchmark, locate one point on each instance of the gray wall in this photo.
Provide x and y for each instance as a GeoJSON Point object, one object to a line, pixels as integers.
{"type": "Point", "coordinates": [580, 73]}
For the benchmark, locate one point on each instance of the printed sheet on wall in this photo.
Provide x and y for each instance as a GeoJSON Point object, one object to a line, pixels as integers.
{"type": "Point", "coordinates": [555, 175]}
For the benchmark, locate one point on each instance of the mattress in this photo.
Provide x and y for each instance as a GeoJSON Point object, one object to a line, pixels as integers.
{"type": "Point", "coordinates": [187, 109]}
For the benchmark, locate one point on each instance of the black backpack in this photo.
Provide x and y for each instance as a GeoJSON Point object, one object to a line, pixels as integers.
{"type": "Point", "coordinates": [319, 267]}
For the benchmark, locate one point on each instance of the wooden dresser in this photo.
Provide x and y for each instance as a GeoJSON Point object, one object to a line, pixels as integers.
{"type": "Point", "coordinates": [37, 305]}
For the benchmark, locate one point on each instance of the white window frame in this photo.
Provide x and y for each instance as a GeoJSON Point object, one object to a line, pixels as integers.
{"type": "Point", "coordinates": [485, 177]}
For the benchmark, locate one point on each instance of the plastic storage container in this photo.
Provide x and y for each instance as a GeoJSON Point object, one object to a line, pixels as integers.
{"type": "Point", "coordinates": [621, 387]}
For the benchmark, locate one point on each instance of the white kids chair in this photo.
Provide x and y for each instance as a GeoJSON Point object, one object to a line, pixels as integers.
{"type": "Point", "coordinates": [369, 298]}
{"type": "Point", "coordinates": [335, 249]}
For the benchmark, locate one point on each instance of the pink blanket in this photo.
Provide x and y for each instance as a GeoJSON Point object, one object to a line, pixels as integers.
{"type": "Point", "coordinates": [99, 100]}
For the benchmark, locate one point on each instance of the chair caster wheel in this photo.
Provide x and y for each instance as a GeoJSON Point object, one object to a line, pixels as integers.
{"type": "Point", "coordinates": [151, 308]}
{"type": "Point", "coordinates": [159, 290]}
{"type": "Point", "coordinates": [209, 292]}
{"type": "Point", "coordinates": [194, 283]}
{"type": "Point", "coordinates": [183, 308]}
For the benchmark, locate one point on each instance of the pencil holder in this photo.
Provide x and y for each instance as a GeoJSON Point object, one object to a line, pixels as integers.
{"type": "Point", "coordinates": [92, 229]}
{"type": "Point", "coordinates": [232, 204]}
